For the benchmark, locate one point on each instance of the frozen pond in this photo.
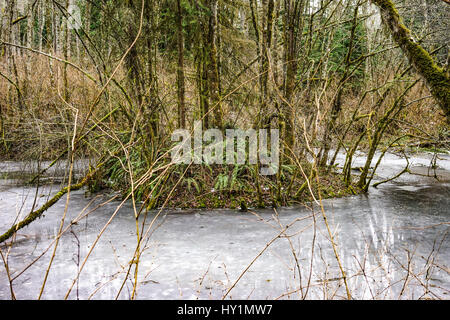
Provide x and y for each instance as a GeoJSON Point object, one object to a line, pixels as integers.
{"type": "Point", "coordinates": [392, 243]}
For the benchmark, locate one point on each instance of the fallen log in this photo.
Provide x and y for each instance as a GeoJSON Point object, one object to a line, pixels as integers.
{"type": "Point", "coordinates": [37, 213]}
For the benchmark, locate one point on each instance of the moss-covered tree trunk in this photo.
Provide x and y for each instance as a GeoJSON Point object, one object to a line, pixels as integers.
{"type": "Point", "coordinates": [292, 26]}
{"type": "Point", "coordinates": [212, 64]}
{"type": "Point", "coordinates": [266, 42]}
{"type": "Point", "coordinates": [435, 77]}
{"type": "Point", "coordinates": [180, 69]}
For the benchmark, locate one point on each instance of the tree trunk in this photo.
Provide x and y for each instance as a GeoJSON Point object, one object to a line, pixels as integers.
{"type": "Point", "coordinates": [292, 27]}
{"type": "Point", "coordinates": [180, 69]}
{"type": "Point", "coordinates": [65, 47]}
{"type": "Point", "coordinates": [265, 44]}
{"type": "Point", "coordinates": [212, 65]}
{"type": "Point", "coordinates": [435, 77]}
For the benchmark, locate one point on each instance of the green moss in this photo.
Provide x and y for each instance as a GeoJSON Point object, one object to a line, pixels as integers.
{"type": "Point", "coordinates": [436, 78]}
{"type": "Point", "coordinates": [432, 150]}
{"type": "Point", "coordinates": [38, 213]}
